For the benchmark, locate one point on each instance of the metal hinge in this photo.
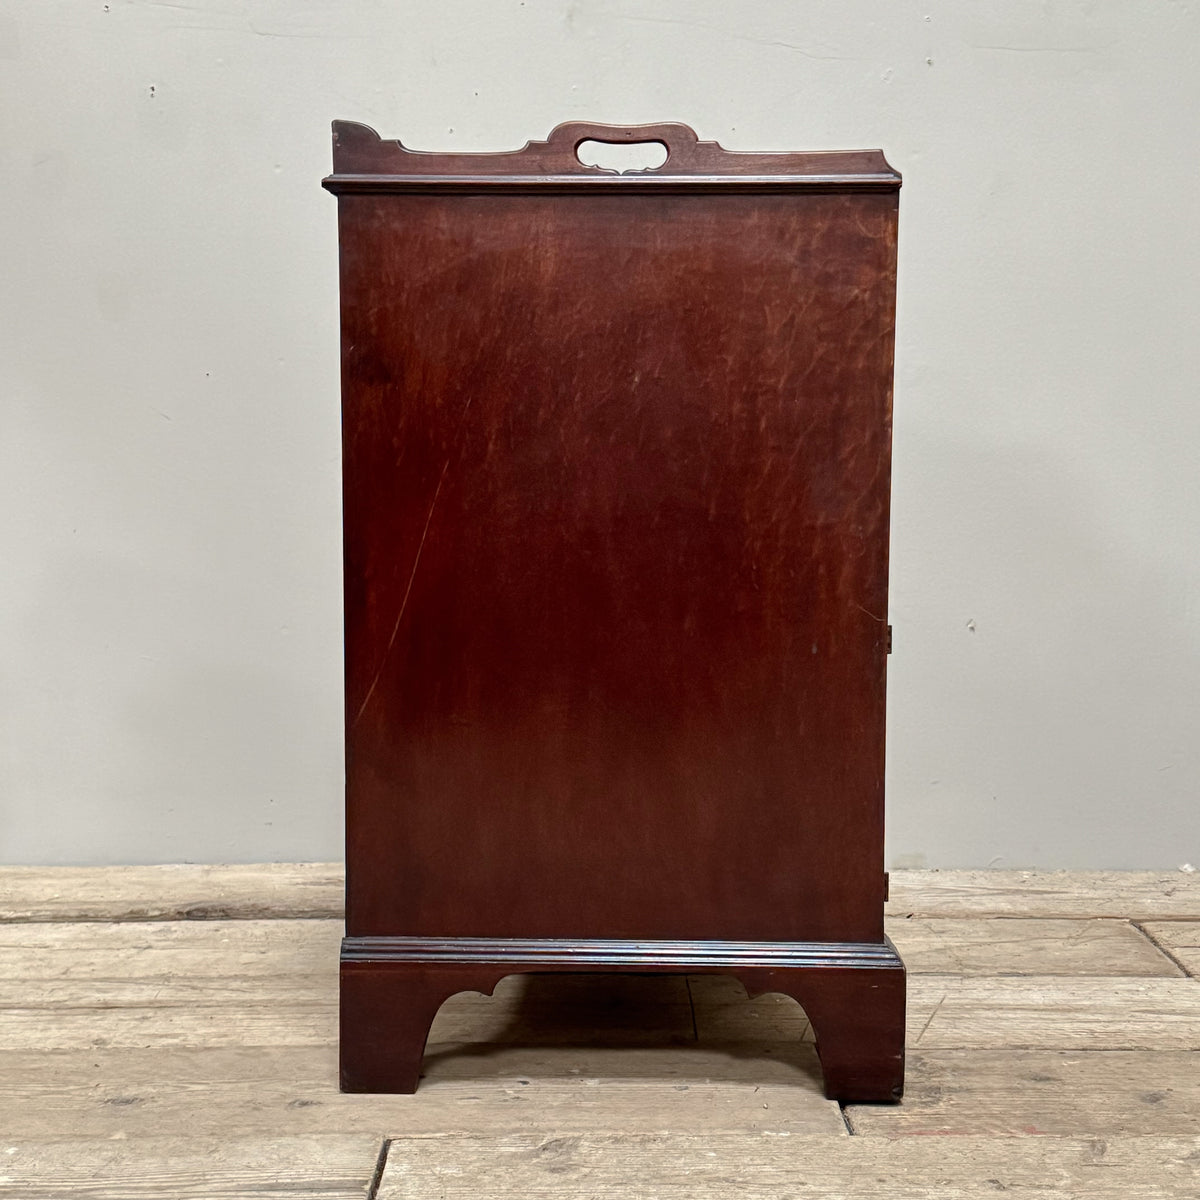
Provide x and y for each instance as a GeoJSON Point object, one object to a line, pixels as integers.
{"type": "Point", "coordinates": [889, 639]}
{"type": "Point", "coordinates": [887, 883]}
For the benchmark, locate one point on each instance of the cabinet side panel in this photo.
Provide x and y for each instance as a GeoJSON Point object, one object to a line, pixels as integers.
{"type": "Point", "coordinates": [616, 531]}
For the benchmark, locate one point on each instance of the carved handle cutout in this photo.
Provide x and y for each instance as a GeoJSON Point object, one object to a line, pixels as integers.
{"type": "Point", "coordinates": [621, 149]}
{"type": "Point", "coordinates": [623, 158]}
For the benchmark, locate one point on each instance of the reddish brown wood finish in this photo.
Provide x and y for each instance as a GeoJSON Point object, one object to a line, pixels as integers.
{"type": "Point", "coordinates": [616, 486]}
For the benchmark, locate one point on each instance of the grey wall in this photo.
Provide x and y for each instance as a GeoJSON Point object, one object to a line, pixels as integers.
{"type": "Point", "coordinates": [169, 522]}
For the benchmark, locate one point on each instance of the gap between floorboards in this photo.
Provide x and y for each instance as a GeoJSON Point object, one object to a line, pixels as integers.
{"type": "Point", "coordinates": [380, 1163]}
{"type": "Point", "coordinates": [1161, 948]}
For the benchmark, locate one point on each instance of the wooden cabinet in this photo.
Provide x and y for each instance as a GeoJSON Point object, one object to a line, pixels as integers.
{"type": "Point", "coordinates": [616, 486]}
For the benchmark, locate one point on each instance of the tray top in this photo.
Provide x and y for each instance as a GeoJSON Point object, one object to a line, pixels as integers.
{"type": "Point", "coordinates": [365, 162]}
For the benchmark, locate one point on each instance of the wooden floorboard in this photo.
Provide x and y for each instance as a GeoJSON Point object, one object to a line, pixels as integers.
{"type": "Point", "coordinates": [767, 1166]}
{"type": "Point", "coordinates": [261, 948]}
{"type": "Point", "coordinates": [171, 1031]}
{"type": "Point", "coordinates": [1040, 1092]}
{"type": "Point", "coordinates": [1118, 895]}
{"type": "Point", "coordinates": [170, 949]}
{"type": "Point", "coordinates": [945, 1012]}
{"type": "Point", "coordinates": [1054, 1013]}
{"type": "Point", "coordinates": [315, 1167]}
{"type": "Point", "coordinates": [315, 890]}
{"type": "Point", "coordinates": [1180, 939]}
{"type": "Point", "coordinates": [470, 1088]}
{"type": "Point", "coordinates": [175, 892]}
{"type": "Point", "coordinates": [1025, 946]}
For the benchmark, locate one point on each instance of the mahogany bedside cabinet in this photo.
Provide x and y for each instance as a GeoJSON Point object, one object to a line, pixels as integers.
{"type": "Point", "coordinates": [616, 454]}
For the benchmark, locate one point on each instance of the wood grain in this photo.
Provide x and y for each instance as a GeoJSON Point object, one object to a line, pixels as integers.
{"type": "Point", "coordinates": [967, 946]}
{"type": "Point", "coordinates": [335, 1167]}
{"type": "Point", "coordinates": [590, 545]}
{"type": "Point", "coordinates": [307, 890]}
{"type": "Point", "coordinates": [249, 1024]}
{"type": "Point", "coordinates": [767, 1167]}
{"type": "Point", "coordinates": [1063, 1093]}
{"type": "Point", "coordinates": [1017, 946]}
{"type": "Point", "coordinates": [150, 1004]}
{"type": "Point", "coordinates": [258, 948]}
{"type": "Point", "coordinates": [1120, 895]}
{"type": "Point", "coordinates": [1181, 939]}
{"type": "Point", "coordinates": [274, 983]}
{"type": "Point", "coordinates": [1053, 1012]}
{"type": "Point", "coordinates": [275, 1091]}
{"type": "Point", "coordinates": [946, 1012]}
{"type": "Point", "coordinates": [172, 892]}
{"type": "Point", "coordinates": [160, 949]}
{"type": "Point", "coordinates": [219, 1073]}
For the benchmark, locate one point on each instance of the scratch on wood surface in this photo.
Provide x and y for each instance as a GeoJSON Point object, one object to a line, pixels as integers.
{"type": "Point", "coordinates": [407, 592]}
{"type": "Point", "coordinates": [925, 1027]}
{"type": "Point", "coordinates": [380, 1163]}
{"type": "Point", "coordinates": [1165, 951]}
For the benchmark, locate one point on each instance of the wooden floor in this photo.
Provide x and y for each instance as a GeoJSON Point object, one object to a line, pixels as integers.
{"type": "Point", "coordinates": [170, 1032]}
